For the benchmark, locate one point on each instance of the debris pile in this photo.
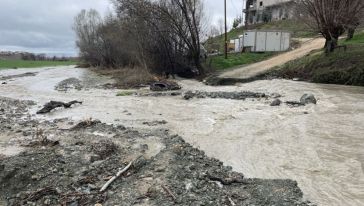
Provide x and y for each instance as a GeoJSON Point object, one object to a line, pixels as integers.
{"type": "Point", "coordinates": [223, 95]}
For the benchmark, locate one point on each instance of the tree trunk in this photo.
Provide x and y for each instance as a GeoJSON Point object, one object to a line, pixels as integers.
{"type": "Point", "coordinates": [330, 45]}
{"type": "Point", "coordinates": [351, 32]}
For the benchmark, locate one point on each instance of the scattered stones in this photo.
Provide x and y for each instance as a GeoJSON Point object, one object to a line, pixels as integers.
{"type": "Point", "coordinates": [164, 86]}
{"type": "Point", "coordinates": [27, 74]}
{"type": "Point", "coordinates": [294, 103]}
{"type": "Point", "coordinates": [276, 102]}
{"type": "Point", "coordinates": [104, 148]}
{"type": "Point", "coordinates": [308, 99]}
{"type": "Point", "coordinates": [222, 95]}
{"type": "Point", "coordinates": [85, 124]}
{"type": "Point", "coordinates": [155, 123]}
{"type": "Point", "coordinates": [68, 84]}
{"type": "Point", "coordinates": [159, 94]}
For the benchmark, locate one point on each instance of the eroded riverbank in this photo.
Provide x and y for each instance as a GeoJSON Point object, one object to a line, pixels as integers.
{"type": "Point", "coordinates": [320, 145]}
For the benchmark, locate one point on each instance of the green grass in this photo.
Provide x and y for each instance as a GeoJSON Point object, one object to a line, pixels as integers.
{"type": "Point", "coordinates": [124, 93]}
{"type": "Point", "coordinates": [7, 64]}
{"type": "Point", "coordinates": [358, 39]}
{"type": "Point", "coordinates": [339, 67]}
{"type": "Point", "coordinates": [220, 63]}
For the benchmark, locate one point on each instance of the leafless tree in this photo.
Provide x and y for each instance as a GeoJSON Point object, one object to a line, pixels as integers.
{"type": "Point", "coordinates": [168, 32]}
{"type": "Point", "coordinates": [86, 26]}
{"type": "Point", "coordinates": [331, 17]}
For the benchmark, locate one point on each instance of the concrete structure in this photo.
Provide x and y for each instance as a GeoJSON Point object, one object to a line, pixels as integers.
{"type": "Point", "coordinates": [263, 41]}
{"type": "Point", "coordinates": [259, 11]}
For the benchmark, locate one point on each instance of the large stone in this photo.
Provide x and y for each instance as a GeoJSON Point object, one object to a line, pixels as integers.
{"type": "Point", "coordinates": [276, 102]}
{"type": "Point", "coordinates": [308, 99]}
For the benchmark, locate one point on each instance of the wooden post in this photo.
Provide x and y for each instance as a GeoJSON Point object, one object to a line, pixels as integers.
{"type": "Point", "coordinates": [226, 41]}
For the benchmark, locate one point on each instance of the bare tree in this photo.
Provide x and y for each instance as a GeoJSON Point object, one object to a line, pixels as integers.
{"type": "Point", "coordinates": [331, 17]}
{"type": "Point", "coordinates": [86, 26]}
{"type": "Point", "coordinates": [169, 29]}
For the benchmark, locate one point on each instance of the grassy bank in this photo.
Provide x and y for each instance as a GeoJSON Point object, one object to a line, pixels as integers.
{"type": "Point", "coordinates": [234, 60]}
{"type": "Point", "coordinates": [357, 40]}
{"type": "Point", "coordinates": [6, 64]}
{"type": "Point", "coordinates": [339, 67]}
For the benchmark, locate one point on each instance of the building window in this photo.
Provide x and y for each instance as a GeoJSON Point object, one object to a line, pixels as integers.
{"type": "Point", "coordinates": [261, 3]}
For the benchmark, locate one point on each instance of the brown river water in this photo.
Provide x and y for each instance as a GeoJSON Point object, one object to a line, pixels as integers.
{"type": "Point", "coordinates": [320, 146]}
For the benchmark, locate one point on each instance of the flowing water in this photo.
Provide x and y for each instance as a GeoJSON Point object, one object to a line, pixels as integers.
{"type": "Point", "coordinates": [320, 146]}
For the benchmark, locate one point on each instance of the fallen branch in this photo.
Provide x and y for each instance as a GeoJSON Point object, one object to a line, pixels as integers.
{"type": "Point", "coordinates": [41, 193]}
{"type": "Point", "coordinates": [170, 193]}
{"type": "Point", "coordinates": [54, 104]}
{"type": "Point", "coordinates": [107, 184]}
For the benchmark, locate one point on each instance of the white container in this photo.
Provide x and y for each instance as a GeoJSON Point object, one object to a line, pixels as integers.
{"type": "Point", "coordinates": [237, 45]}
{"type": "Point", "coordinates": [267, 41]}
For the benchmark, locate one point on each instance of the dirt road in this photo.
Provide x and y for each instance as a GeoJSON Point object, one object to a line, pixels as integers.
{"type": "Point", "coordinates": [260, 67]}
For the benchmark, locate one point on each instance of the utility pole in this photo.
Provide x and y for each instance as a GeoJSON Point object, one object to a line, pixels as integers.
{"type": "Point", "coordinates": [226, 43]}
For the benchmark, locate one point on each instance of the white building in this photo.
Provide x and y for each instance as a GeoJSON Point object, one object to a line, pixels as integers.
{"type": "Point", "coordinates": [259, 11]}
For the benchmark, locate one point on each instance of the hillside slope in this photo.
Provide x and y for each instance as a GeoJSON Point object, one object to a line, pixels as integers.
{"type": "Point", "coordinates": [340, 67]}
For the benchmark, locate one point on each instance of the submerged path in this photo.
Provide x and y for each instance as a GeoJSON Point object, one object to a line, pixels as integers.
{"type": "Point", "coordinates": [252, 70]}
{"type": "Point", "coordinates": [320, 146]}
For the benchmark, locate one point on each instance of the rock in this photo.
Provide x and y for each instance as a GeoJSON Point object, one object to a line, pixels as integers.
{"type": "Point", "coordinates": [4, 83]}
{"type": "Point", "coordinates": [94, 158]}
{"type": "Point", "coordinates": [308, 99]}
{"type": "Point", "coordinates": [164, 86]}
{"type": "Point", "coordinates": [276, 102]}
{"type": "Point", "coordinates": [188, 95]}
{"type": "Point", "coordinates": [35, 177]}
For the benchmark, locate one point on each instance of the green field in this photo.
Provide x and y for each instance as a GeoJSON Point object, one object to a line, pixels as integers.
{"type": "Point", "coordinates": [220, 63]}
{"type": "Point", "coordinates": [8, 64]}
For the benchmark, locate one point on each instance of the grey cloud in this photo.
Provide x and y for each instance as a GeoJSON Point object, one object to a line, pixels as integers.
{"type": "Point", "coordinates": [45, 26]}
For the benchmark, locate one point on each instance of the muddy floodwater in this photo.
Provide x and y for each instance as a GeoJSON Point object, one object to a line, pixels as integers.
{"type": "Point", "coordinates": [320, 146]}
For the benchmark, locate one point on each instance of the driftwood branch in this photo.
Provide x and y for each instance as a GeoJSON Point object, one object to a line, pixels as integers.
{"type": "Point", "coordinates": [170, 193]}
{"type": "Point", "coordinates": [54, 104]}
{"type": "Point", "coordinates": [107, 184]}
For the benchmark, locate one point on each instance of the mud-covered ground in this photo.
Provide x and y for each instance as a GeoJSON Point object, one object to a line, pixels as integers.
{"type": "Point", "coordinates": [66, 163]}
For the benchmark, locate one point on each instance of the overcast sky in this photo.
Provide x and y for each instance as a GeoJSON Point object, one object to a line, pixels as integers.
{"type": "Point", "coordinates": [45, 26]}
